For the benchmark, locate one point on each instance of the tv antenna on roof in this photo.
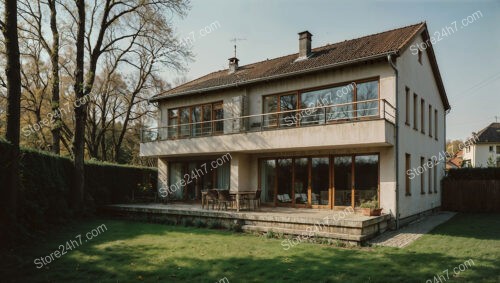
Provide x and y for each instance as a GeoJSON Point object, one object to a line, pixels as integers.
{"type": "Point", "coordinates": [234, 40]}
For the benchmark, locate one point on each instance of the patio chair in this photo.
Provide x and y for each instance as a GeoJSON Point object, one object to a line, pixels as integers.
{"type": "Point", "coordinates": [223, 199]}
{"type": "Point", "coordinates": [212, 196]}
{"type": "Point", "coordinates": [255, 199]}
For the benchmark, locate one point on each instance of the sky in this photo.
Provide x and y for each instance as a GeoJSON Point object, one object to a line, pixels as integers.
{"type": "Point", "coordinates": [468, 59]}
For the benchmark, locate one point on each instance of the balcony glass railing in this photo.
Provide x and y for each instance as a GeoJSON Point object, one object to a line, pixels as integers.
{"type": "Point", "coordinates": [314, 116]}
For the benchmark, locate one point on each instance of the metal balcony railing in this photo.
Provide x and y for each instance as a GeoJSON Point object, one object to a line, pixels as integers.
{"type": "Point", "coordinates": [313, 116]}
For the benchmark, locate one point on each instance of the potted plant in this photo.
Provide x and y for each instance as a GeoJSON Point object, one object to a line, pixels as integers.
{"type": "Point", "coordinates": [370, 207]}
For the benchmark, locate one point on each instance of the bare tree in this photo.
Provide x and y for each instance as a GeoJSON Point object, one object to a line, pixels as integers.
{"type": "Point", "coordinates": [32, 13]}
{"type": "Point", "coordinates": [9, 30]}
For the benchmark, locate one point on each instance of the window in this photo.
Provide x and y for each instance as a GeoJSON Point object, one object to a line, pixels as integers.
{"type": "Point", "coordinates": [430, 120]}
{"type": "Point", "coordinates": [435, 124]}
{"type": "Point", "coordinates": [420, 56]}
{"type": "Point", "coordinates": [435, 178]}
{"type": "Point", "coordinates": [415, 112]}
{"type": "Point", "coordinates": [366, 96]}
{"type": "Point", "coordinates": [407, 171]}
{"type": "Point", "coordinates": [498, 149]}
{"type": "Point", "coordinates": [407, 106]}
{"type": "Point", "coordinates": [429, 161]}
{"type": "Point", "coordinates": [173, 115]}
{"type": "Point", "coordinates": [467, 149]}
{"type": "Point", "coordinates": [498, 161]}
{"type": "Point", "coordinates": [422, 176]}
{"type": "Point", "coordinates": [319, 106]}
{"type": "Point", "coordinates": [491, 148]}
{"type": "Point", "coordinates": [194, 121]}
{"type": "Point", "coordinates": [218, 114]}
{"type": "Point", "coordinates": [422, 116]}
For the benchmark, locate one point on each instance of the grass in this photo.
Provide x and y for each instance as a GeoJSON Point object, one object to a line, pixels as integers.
{"type": "Point", "coordinates": [134, 251]}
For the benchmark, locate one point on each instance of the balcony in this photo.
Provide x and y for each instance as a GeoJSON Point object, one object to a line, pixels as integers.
{"type": "Point", "coordinates": [363, 123]}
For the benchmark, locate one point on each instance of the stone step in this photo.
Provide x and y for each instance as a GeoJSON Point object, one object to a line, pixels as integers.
{"type": "Point", "coordinates": [306, 233]}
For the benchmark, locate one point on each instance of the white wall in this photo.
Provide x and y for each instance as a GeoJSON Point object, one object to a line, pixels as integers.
{"type": "Point", "coordinates": [480, 153]}
{"type": "Point", "coordinates": [420, 80]}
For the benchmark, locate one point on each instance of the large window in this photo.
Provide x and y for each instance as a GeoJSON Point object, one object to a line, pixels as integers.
{"type": "Point", "coordinates": [301, 182]}
{"type": "Point", "coordinates": [366, 93]}
{"type": "Point", "coordinates": [430, 178]}
{"type": "Point", "coordinates": [365, 178]}
{"type": "Point", "coordinates": [197, 120]}
{"type": "Point", "coordinates": [284, 180]}
{"type": "Point", "coordinates": [343, 180]}
{"type": "Point", "coordinates": [340, 102]}
{"type": "Point", "coordinates": [304, 181]}
{"type": "Point", "coordinates": [268, 179]}
{"type": "Point", "coordinates": [320, 180]}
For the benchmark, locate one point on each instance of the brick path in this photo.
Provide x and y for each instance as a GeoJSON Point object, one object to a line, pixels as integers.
{"type": "Point", "coordinates": [407, 235]}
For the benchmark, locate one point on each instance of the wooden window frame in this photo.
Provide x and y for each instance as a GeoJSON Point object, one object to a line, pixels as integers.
{"type": "Point", "coordinates": [429, 161]}
{"type": "Point", "coordinates": [422, 116]}
{"type": "Point", "coordinates": [430, 121]}
{"type": "Point", "coordinates": [422, 176]}
{"type": "Point", "coordinates": [407, 122]}
{"type": "Point", "coordinates": [407, 178]}
{"type": "Point", "coordinates": [415, 111]}
{"type": "Point", "coordinates": [331, 189]}
{"type": "Point", "coordinates": [191, 107]}
{"type": "Point", "coordinates": [436, 124]}
{"type": "Point", "coordinates": [299, 92]}
{"type": "Point", "coordinates": [435, 178]}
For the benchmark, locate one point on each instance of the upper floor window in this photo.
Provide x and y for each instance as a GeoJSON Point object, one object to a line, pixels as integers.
{"type": "Point", "coordinates": [491, 148]}
{"type": "Point", "coordinates": [415, 111]}
{"type": "Point", "coordinates": [420, 56]}
{"type": "Point", "coordinates": [498, 149]}
{"type": "Point", "coordinates": [319, 106]}
{"type": "Point", "coordinates": [430, 120]}
{"type": "Point", "coordinates": [197, 120]}
{"type": "Point", "coordinates": [407, 122]}
{"type": "Point", "coordinates": [436, 124]}
{"type": "Point", "coordinates": [422, 116]}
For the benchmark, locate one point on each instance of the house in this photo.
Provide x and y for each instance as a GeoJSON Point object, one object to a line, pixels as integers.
{"type": "Point", "coordinates": [485, 152]}
{"type": "Point", "coordinates": [327, 127]}
{"type": "Point", "coordinates": [455, 161]}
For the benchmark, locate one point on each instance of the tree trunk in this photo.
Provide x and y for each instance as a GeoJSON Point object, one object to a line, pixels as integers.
{"type": "Point", "coordinates": [12, 71]}
{"type": "Point", "coordinates": [80, 108]}
{"type": "Point", "coordinates": [54, 60]}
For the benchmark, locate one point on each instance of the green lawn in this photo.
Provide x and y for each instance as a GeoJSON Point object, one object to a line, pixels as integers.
{"type": "Point", "coordinates": [134, 251]}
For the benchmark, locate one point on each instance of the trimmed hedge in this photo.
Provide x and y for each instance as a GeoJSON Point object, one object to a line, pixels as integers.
{"type": "Point", "coordinates": [474, 174]}
{"type": "Point", "coordinates": [46, 180]}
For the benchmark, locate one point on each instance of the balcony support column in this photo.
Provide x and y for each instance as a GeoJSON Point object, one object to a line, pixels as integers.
{"type": "Point", "coordinates": [240, 172]}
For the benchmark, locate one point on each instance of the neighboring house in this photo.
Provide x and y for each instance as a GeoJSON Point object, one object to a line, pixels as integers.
{"type": "Point", "coordinates": [311, 129]}
{"type": "Point", "coordinates": [455, 161]}
{"type": "Point", "coordinates": [486, 151]}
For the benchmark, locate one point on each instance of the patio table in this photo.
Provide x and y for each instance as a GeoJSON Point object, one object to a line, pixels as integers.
{"type": "Point", "coordinates": [239, 194]}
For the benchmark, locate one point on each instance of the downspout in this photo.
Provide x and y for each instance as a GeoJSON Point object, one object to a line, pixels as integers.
{"type": "Point", "coordinates": [389, 58]}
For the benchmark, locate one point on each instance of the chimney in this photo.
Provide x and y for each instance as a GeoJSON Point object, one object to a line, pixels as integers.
{"type": "Point", "coordinates": [304, 45]}
{"type": "Point", "coordinates": [233, 64]}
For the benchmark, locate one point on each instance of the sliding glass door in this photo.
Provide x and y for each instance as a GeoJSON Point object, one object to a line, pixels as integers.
{"type": "Point", "coordinates": [307, 181]}
{"type": "Point", "coordinates": [285, 193]}
{"type": "Point", "coordinates": [320, 181]}
{"type": "Point", "coordinates": [342, 172]}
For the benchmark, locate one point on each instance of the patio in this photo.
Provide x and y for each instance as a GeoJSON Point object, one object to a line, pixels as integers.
{"type": "Point", "coordinates": [346, 225]}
